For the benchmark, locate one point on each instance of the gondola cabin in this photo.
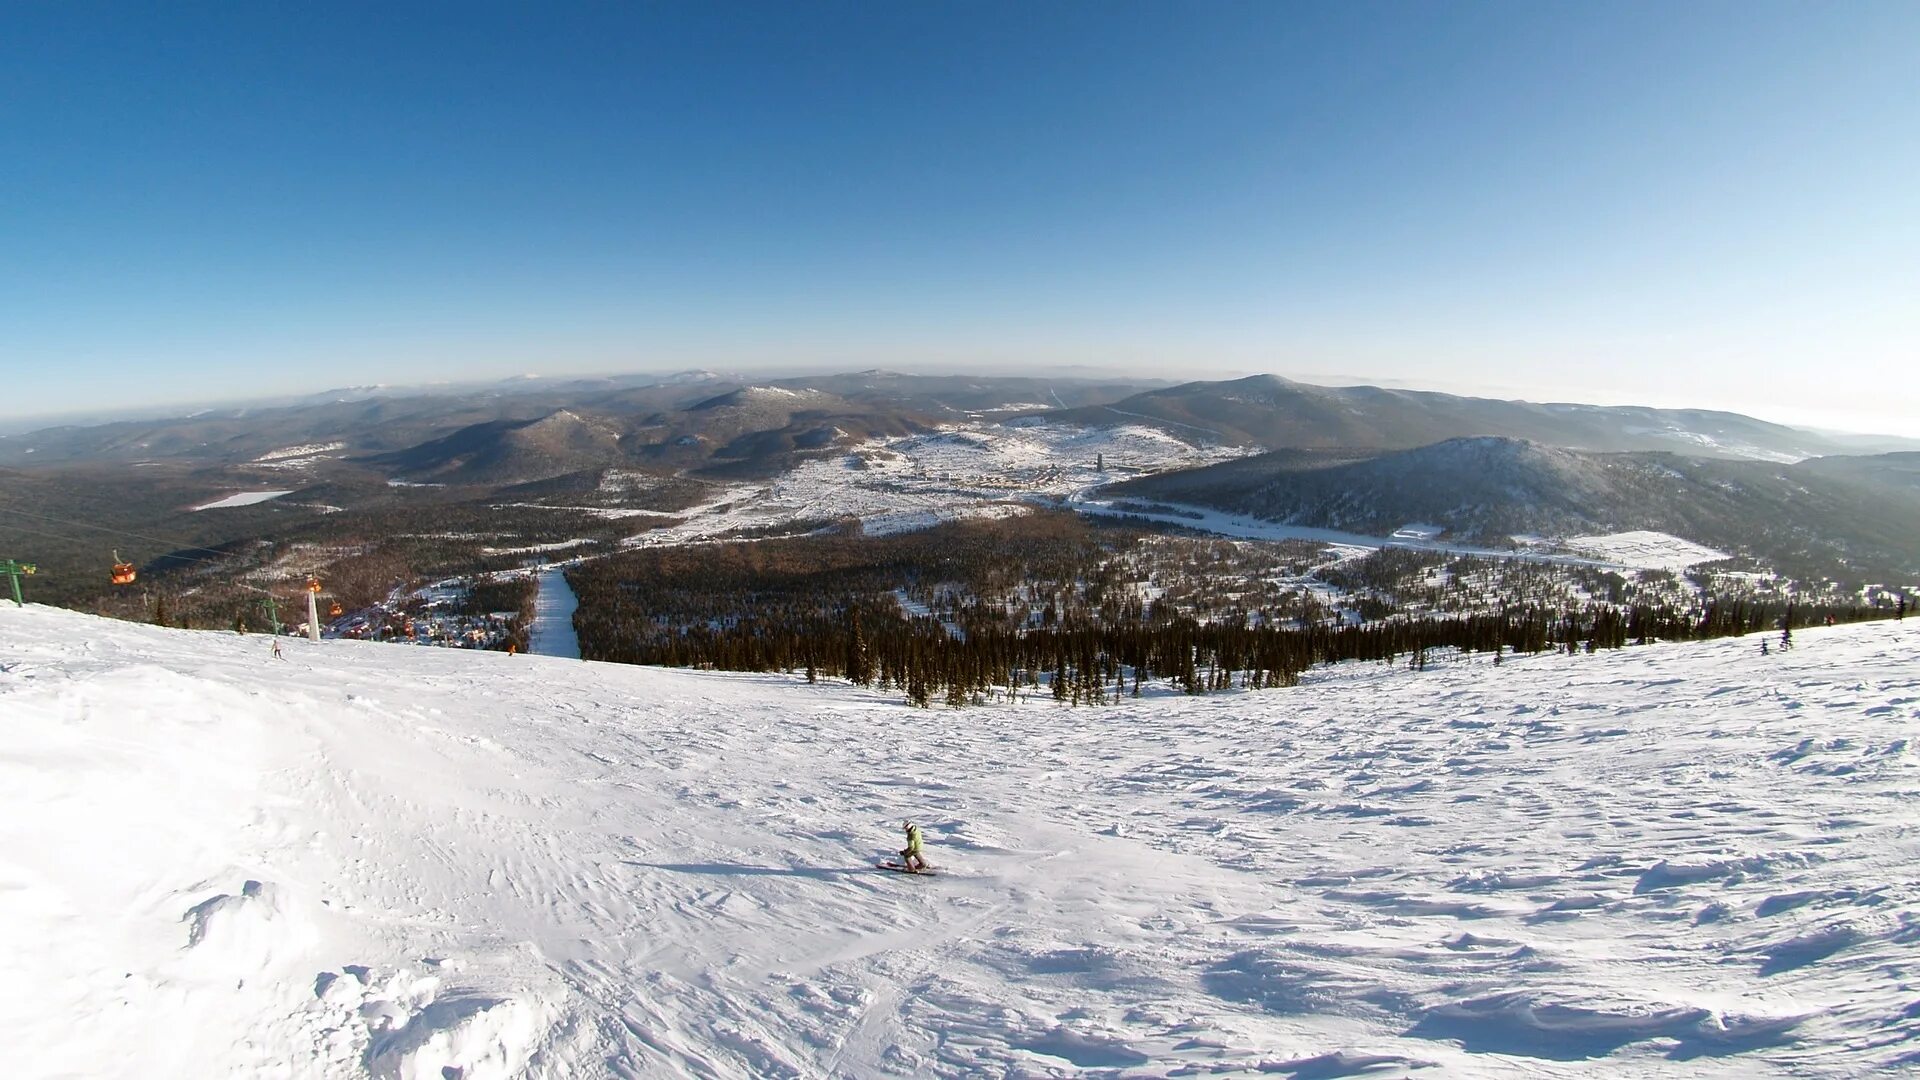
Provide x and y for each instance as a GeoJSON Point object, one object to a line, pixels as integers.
{"type": "Point", "coordinates": [123, 572]}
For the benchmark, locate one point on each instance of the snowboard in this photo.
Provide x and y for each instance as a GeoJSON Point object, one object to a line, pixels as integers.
{"type": "Point", "coordinates": [901, 869]}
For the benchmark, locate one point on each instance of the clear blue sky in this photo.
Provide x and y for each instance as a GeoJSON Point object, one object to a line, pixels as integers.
{"type": "Point", "coordinates": [1706, 203]}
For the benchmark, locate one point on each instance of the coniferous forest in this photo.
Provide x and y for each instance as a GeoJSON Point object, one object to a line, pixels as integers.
{"type": "Point", "coordinates": [1087, 613]}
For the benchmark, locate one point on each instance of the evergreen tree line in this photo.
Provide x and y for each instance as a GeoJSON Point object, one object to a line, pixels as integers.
{"type": "Point", "coordinates": [1083, 661]}
{"type": "Point", "coordinates": [1059, 605]}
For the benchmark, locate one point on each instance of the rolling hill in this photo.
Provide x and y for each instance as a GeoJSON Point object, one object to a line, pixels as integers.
{"type": "Point", "coordinates": [1486, 490]}
{"type": "Point", "coordinates": [1269, 411]}
{"type": "Point", "coordinates": [509, 451]}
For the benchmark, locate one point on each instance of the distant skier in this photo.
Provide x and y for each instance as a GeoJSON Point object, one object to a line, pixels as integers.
{"type": "Point", "coordinates": [913, 856]}
{"type": "Point", "coordinates": [276, 650]}
{"type": "Point", "coordinates": [1763, 646]}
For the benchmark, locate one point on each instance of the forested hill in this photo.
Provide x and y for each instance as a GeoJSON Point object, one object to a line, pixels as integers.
{"type": "Point", "coordinates": [1812, 518]}
{"type": "Point", "coordinates": [1269, 411]}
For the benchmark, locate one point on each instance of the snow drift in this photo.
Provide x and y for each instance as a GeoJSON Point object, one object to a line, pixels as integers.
{"type": "Point", "coordinates": [374, 860]}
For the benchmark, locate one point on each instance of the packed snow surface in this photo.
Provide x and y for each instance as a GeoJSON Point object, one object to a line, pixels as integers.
{"type": "Point", "coordinates": [244, 498]}
{"type": "Point", "coordinates": [1675, 860]}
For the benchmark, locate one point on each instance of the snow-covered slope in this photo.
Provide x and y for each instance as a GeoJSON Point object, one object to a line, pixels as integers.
{"type": "Point", "coordinates": [366, 859]}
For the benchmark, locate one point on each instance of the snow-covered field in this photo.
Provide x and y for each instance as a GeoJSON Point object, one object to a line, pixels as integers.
{"type": "Point", "coordinates": [1646, 549]}
{"type": "Point", "coordinates": [536, 549]}
{"type": "Point", "coordinates": [918, 481]}
{"type": "Point", "coordinates": [297, 457]}
{"type": "Point", "coordinates": [243, 498]}
{"type": "Point", "coordinates": [1666, 861]}
{"type": "Point", "coordinates": [989, 470]}
{"type": "Point", "coordinates": [304, 450]}
{"type": "Point", "coordinates": [1642, 550]}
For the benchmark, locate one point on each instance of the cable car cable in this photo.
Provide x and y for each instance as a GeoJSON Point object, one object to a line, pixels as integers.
{"type": "Point", "coordinates": [117, 532]}
{"type": "Point", "coordinates": [41, 532]}
{"type": "Point", "coordinates": [120, 532]}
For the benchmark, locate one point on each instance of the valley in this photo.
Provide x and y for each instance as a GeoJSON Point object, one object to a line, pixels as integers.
{"type": "Point", "coordinates": [960, 494]}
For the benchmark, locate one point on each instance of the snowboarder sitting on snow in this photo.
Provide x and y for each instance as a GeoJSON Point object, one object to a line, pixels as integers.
{"type": "Point", "coordinates": [913, 857]}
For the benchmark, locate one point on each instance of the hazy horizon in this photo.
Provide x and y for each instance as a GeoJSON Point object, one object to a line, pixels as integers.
{"type": "Point", "coordinates": [20, 423]}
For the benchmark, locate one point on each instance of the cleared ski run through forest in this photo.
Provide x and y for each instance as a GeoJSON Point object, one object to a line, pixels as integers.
{"type": "Point", "coordinates": [552, 633]}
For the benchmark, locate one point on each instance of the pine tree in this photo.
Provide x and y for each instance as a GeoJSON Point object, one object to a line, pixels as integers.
{"type": "Point", "coordinates": [859, 666]}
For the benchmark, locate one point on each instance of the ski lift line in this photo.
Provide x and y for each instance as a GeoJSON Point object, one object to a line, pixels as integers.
{"type": "Point", "coordinates": [117, 532]}
{"type": "Point", "coordinates": [157, 540]}
{"type": "Point", "coordinates": [124, 573]}
{"type": "Point", "coordinates": [41, 532]}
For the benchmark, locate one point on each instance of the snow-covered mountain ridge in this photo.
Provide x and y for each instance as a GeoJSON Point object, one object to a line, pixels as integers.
{"type": "Point", "coordinates": [365, 860]}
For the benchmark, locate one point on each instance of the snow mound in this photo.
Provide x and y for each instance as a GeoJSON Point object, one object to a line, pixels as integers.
{"type": "Point", "coordinates": [245, 932]}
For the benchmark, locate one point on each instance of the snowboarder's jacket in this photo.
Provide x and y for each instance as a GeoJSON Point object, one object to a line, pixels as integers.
{"type": "Point", "coordinates": [913, 840]}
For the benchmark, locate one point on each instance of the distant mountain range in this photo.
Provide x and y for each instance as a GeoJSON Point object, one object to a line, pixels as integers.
{"type": "Point", "coordinates": [701, 419]}
{"type": "Point", "coordinates": [1359, 458]}
{"type": "Point", "coordinates": [685, 420]}
{"type": "Point", "coordinates": [1272, 412]}
{"type": "Point", "coordinates": [1857, 512]}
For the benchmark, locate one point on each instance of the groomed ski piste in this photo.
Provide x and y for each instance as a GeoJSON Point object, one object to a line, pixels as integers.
{"type": "Point", "coordinates": [1672, 860]}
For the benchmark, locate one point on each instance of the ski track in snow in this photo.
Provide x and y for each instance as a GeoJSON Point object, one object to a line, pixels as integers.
{"type": "Point", "coordinates": [1674, 861]}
